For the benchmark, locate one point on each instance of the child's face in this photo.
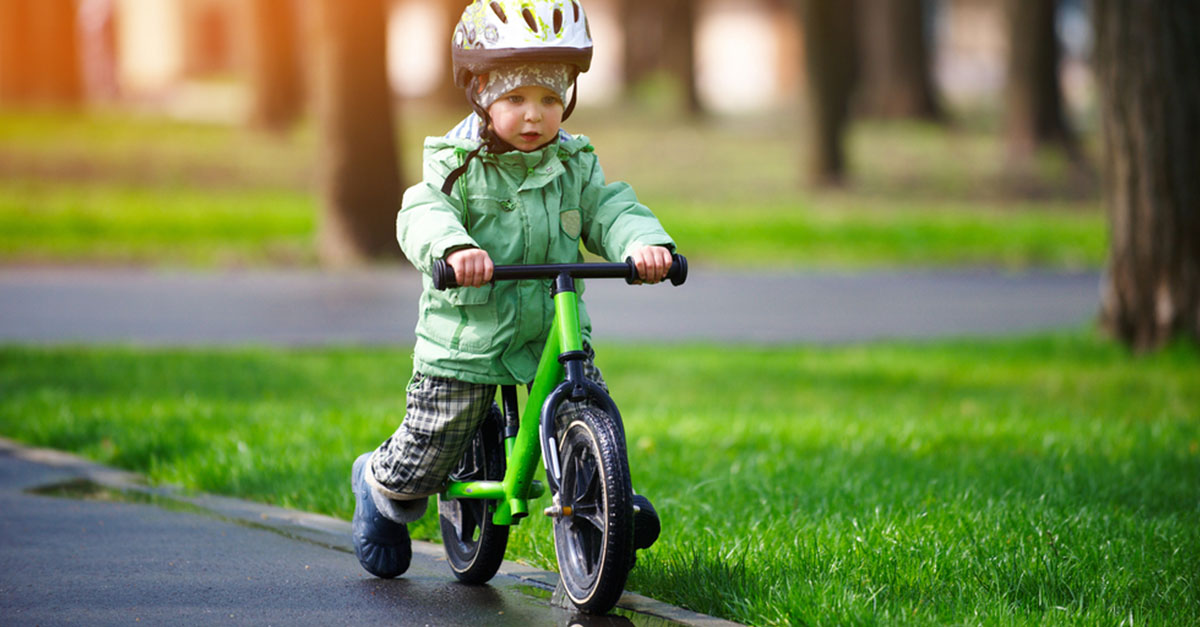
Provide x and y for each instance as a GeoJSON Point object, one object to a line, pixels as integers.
{"type": "Point", "coordinates": [527, 117]}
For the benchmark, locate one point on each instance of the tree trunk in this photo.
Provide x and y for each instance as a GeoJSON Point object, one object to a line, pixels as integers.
{"type": "Point", "coordinates": [358, 169]}
{"type": "Point", "coordinates": [1149, 83]}
{"type": "Point", "coordinates": [1033, 96]}
{"type": "Point", "coordinates": [16, 40]}
{"type": "Point", "coordinates": [57, 52]}
{"type": "Point", "coordinates": [446, 93]}
{"type": "Point", "coordinates": [276, 82]}
{"type": "Point", "coordinates": [660, 35]}
{"type": "Point", "coordinates": [831, 66]}
{"type": "Point", "coordinates": [39, 52]}
{"type": "Point", "coordinates": [897, 81]}
{"type": "Point", "coordinates": [641, 23]}
{"type": "Point", "coordinates": [679, 43]}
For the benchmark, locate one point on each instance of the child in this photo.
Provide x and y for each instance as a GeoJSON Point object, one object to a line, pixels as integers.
{"type": "Point", "coordinates": [506, 186]}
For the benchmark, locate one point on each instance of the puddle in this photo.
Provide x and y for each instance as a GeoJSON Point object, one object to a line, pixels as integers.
{"type": "Point", "coordinates": [88, 490]}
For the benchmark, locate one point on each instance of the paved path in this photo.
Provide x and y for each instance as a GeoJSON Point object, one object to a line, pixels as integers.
{"type": "Point", "coordinates": [85, 544]}
{"type": "Point", "coordinates": [380, 306]}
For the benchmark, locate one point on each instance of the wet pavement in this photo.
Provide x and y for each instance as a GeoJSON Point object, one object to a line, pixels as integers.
{"type": "Point", "coordinates": [81, 543]}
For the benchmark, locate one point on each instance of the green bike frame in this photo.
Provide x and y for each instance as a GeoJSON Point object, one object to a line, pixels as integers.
{"type": "Point", "coordinates": [559, 379]}
{"type": "Point", "coordinates": [551, 386]}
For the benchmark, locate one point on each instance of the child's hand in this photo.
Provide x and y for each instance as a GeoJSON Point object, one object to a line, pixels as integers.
{"type": "Point", "coordinates": [653, 263]}
{"type": "Point", "coordinates": [472, 266]}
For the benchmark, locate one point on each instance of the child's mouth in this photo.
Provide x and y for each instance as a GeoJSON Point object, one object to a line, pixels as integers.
{"type": "Point", "coordinates": [529, 137]}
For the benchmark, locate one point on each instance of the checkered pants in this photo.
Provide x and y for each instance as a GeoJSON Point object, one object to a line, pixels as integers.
{"type": "Point", "coordinates": [443, 415]}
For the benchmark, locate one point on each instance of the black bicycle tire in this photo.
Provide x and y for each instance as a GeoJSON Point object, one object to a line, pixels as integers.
{"type": "Point", "coordinates": [594, 575]}
{"type": "Point", "coordinates": [478, 561]}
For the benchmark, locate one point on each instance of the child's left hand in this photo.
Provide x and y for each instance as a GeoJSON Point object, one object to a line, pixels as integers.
{"type": "Point", "coordinates": [653, 263]}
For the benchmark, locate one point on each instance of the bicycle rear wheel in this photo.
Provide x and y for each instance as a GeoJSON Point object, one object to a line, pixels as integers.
{"type": "Point", "coordinates": [475, 545]}
{"type": "Point", "coordinates": [593, 537]}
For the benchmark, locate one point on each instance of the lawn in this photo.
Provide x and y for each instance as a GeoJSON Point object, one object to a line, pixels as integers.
{"type": "Point", "coordinates": [1051, 479]}
{"type": "Point", "coordinates": [116, 188]}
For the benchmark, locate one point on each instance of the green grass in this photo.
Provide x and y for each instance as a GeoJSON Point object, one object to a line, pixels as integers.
{"type": "Point", "coordinates": [113, 188]}
{"type": "Point", "coordinates": [1044, 480]}
{"type": "Point", "coordinates": [42, 221]}
{"type": "Point", "coordinates": [851, 233]}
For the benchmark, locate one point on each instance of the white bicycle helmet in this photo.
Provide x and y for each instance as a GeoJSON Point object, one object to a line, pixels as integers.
{"type": "Point", "coordinates": [494, 33]}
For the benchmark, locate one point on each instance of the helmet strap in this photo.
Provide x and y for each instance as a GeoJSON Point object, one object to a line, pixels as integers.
{"type": "Point", "coordinates": [472, 90]}
{"type": "Point", "coordinates": [574, 93]}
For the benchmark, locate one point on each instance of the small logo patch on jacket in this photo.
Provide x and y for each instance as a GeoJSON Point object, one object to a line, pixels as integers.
{"type": "Point", "coordinates": [572, 223]}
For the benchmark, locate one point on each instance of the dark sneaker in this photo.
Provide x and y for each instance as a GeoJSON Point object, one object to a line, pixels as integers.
{"type": "Point", "coordinates": [381, 545]}
{"type": "Point", "coordinates": [646, 526]}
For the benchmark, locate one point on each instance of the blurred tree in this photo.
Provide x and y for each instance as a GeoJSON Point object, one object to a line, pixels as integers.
{"type": "Point", "coordinates": [1033, 101]}
{"type": "Point", "coordinates": [897, 79]}
{"type": "Point", "coordinates": [277, 86]}
{"type": "Point", "coordinates": [446, 92]}
{"type": "Point", "coordinates": [660, 35]}
{"type": "Point", "coordinates": [679, 39]}
{"type": "Point", "coordinates": [1148, 71]}
{"type": "Point", "coordinates": [16, 72]}
{"type": "Point", "coordinates": [39, 52]}
{"type": "Point", "coordinates": [831, 66]}
{"type": "Point", "coordinates": [358, 168]}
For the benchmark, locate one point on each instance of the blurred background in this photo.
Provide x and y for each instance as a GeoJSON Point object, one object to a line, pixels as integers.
{"type": "Point", "coordinates": [197, 59]}
{"type": "Point", "coordinates": [765, 133]}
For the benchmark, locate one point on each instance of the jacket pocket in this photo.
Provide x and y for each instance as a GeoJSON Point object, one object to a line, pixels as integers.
{"type": "Point", "coordinates": [461, 296]}
{"type": "Point", "coordinates": [469, 325]}
{"type": "Point", "coordinates": [482, 210]}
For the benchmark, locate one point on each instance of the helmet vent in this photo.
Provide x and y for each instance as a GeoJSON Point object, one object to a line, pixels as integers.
{"type": "Point", "coordinates": [558, 21]}
{"type": "Point", "coordinates": [576, 6]}
{"type": "Point", "coordinates": [499, 11]}
{"type": "Point", "coordinates": [528, 15]}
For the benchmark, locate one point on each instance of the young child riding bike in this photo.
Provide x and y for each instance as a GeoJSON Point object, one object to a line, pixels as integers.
{"type": "Point", "coordinates": [506, 186]}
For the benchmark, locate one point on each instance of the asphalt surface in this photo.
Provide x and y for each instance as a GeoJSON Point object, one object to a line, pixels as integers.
{"type": "Point", "coordinates": [84, 544]}
{"type": "Point", "coordinates": [380, 306]}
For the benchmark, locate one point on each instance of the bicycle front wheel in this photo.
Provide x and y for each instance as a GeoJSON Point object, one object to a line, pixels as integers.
{"type": "Point", "coordinates": [593, 536]}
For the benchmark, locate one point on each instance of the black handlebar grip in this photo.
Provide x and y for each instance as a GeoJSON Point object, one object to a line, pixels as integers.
{"type": "Point", "coordinates": [443, 275]}
{"type": "Point", "coordinates": [677, 273]}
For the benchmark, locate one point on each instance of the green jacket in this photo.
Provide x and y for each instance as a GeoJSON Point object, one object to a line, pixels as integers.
{"type": "Point", "coordinates": [522, 208]}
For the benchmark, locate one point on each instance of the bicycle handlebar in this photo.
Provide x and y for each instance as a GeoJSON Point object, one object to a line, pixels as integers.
{"type": "Point", "coordinates": [443, 274]}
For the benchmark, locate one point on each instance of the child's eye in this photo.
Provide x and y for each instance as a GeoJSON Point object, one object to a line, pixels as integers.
{"type": "Point", "coordinates": [549, 100]}
{"type": "Point", "coordinates": [516, 99]}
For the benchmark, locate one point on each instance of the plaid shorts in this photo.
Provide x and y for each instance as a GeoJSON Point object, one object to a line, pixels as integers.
{"type": "Point", "coordinates": [442, 417]}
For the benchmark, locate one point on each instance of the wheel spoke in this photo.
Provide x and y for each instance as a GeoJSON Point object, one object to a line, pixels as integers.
{"type": "Point", "coordinates": [452, 514]}
{"type": "Point", "coordinates": [586, 479]}
{"type": "Point", "coordinates": [591, 516]}
{"type": "Point", "coordinates": [588, 539]}
{"type": "Point", "coordinates": [469, 523]}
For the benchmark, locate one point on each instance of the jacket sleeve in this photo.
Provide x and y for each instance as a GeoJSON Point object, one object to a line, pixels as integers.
{"type": "Point", "coordinates": [614, 222]}
{"type": "Point", "coordinates": [431, 224]}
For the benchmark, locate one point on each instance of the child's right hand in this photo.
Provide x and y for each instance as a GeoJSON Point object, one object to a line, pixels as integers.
{"type": "Point", "coordinates": [472, 266]}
